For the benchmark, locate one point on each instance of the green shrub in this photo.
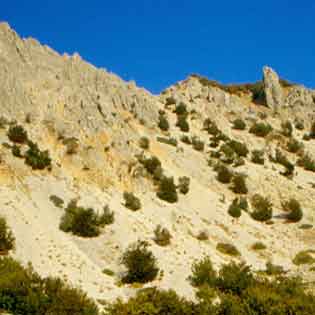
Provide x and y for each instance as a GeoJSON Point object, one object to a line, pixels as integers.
{"type": "Point", "coordinates": [228, 249]}
{"type": "Point", "coordinates": [287, 128]}
{"type": "Point", "coordinates": [203, 236]}
{"type": "Point", "coordinates": [7, 239]}
{"type": "Point", "coordinates": [211, 127]}
{"type": "Point", "coordinates": [306, 137]}
{"type": "Point", "coordinates": [37, 159]}
{"type": "Point", "coordinates": [162, 236]}
{"type": "Point", "coordinates": [203, 273]}
{"type": "Point", "coordinates": [183, 184]}
{"type": "Point", "coordinates": [235, 210]}
{"type": "Point", "coordinates": [224, 175]}
{"type": "Point", "coordinates": [17, 134]}
{"type": "Point", "coordinates": [170, 100]}
{"type": "Point", "coordinates": [260, 129]}
{"type": "Point", "coordinates": [167, 190]}
{"type": "Point", "coordinates": [262, 208]}
{"type": "Point", "coordinates": [294, 145]}
{"type": "Point", "coordinates": [304, 258]}
{"type": "Point", "coordinates": [131, 201]}
{"type": "Point", "coordinates": [239, 184]}
{"type": "Point", "coordinates": [57, 201]}
{"type": "Point", "coordinates": [107, 217]}
{"type": "Point", "coordinates": [312, 131]}
{"type": "Point", "coordinates": [228, 153]}
{"type": "Point", "coordinates": [140, 263]}
{"type": "Point", "coordinates": [169, 141]}
{"type": "Point", "coordinates": [283, 160]}
{"type": "Point", "coordinates": [238, 147]}
{"type": "Point", "coordinates": [80, 221]}
{"type": "Point", "coordinates": [163, 122]}
{"type": "Point", "coordinates": [151, 164]}
{"type": "Point", "coordinates": [185, 139]}
{"type": "Point", "coordinates": [258, 246]}
{"type": "Point", "coordinates": [16, 151]}
{"type": "Point", "coordinates": [182, 123]}
{"type": "Point", "coordinates": [306, 162]}
{"type": "Point", "coordinates": [22, 291]}
{"type": "Point", "coordinates": [144, 143]}
{"type": "Point", "coordinates": [197, 144]}
{"type": "Point", "coordinates": [294, 210]}
{"type": "Point", "coordinates": [239, 161]}
{"type": "Point", "coordinates": [258, 157]}
{"type": "Point", "coordinates": [181, 109]}
{"type": "Point", "coordinates": [108, 272]}
{"type": "Point", "coordinates": [239, 124]}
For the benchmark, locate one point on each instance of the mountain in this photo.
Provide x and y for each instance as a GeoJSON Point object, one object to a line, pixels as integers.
{"type": "Point", "coordinates": [91, 122]}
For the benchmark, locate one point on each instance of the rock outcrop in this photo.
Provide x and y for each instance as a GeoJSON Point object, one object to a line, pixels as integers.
{"type": "Point", "coordinates": [273, 89]}
{"type": "Point", "coordinates": [300, 96]}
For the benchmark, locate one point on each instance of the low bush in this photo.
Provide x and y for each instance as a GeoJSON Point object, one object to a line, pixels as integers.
{"type": "Point", "coordinates": [238, 147]}
{"type": "Point", "coordinates": [57, 201]}
{"type": "Point", "coordinates": [140, 263]}
{"type": "Point", "coordinates": [262, 208]}
{"type": "Point", "coordinates": [203, 273]}
{"type": "Point", "coordinates": [258, 157]}
{"type": "Point", "coordinates": [294, 145]}
{"type": "Point", "coordinates": [144, 143]}
{"type": "Point", "coordinates": [304, 258]}
{"type": "Point", "coordinates": [312, 131]}
{"type": "Point", "coordinates": [239, 184]}
{"type": "Point", "coordinates": [228, 154]}
{"type": "Point", "coordinates": [80, 221]}
{"type": "Point", "coordinates": [169, 141]}
{"type": "Point", "coordinates": [306, 162]}
{"type": "Point", "coordinates": [197, 144]}
{"type": "Point", "coordinates": [7, 239]}
{"type": "Point", "coordinates": [235, 210]}
{"type": "Point", "coordinates": [167, 190]}
{"type": "Point", "coordinates": [211, 127]}
{"type": "Point", "coordinates": [287, 128]}
{"type": "Point", "coordinates": [228, 249]}
{"type": "Point", "coordinates": [283, 160]}
{"type": "Point", "coordinates": [293, 209]}
{"type": "Point", "coordinates": [162, 236]}
{"type": "Point", "coordinates": [185, 139]}
{"type": "Point", "coordinates": [72, 145]}
{"type": "Point", "coordinates": [107, 217]}
{"type": "Point", "coordinates": [131, 201]}
{"type": "Point", "coordinates": [37, 159]}
{"type": "Point", "coordinates": [224, 175]}
{"type": "Point", "coordinates": [17, 134]}
{"type": "Point", "coordinates": [183, 184]}
{"type": "Point", "coordinates": [260, 129]}
{"type": "Point", "coordinates": [163, 123]}
{"type": "Point", "coordinates": [258, 246]}
{"type": "Point", "coordinates": [202, 235]}
{"type": "Point", "coordinates": [181, 109]}
{"type": "Point", "coordinates": [22, 291]}
{"type": "Point", "coordinates": [239, 124]}
{"type": "Point", "coordinates": [16, 151]}
{"type": "Point", "coordinates": [273, 270]}
{"type": "Point", "coordinates": [182, 123]}
{"type": "Point", "coordinates": [299, 124]}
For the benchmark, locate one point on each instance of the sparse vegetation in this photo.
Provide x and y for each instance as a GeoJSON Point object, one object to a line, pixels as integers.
{"type": "Point", "coordinates": [239, 124]}
{"type": "Point", "coordinates": [203, 235]}
{"type": "Point", "coordinates": [37, 159]}
{"type": "Point", "coordinates": [228, 249]}
{"type": "Point", "coordinates": [304, 258]}
{"type": "Point", "coordinates": [235, 210]}
{"type": "Point", "coordinates": [183, 184]}
{"type": "Point", "coordinates": [283, 160]}
{"type": "Point", "coordinates": [131, 201]}
{"type": "Point", "coordinates": [238, 147]}
{"type": "Point", "coordinates": [7, 240]}
{"type": "Point", "coordinates": [211, 127]}
{"type": "Point", "coordinates": [162, 236]}
{"type": "Point", "coordinates": [163, 122]}
{"type": "Point", "coordinates": [294, 145]}
{"type": "Point", "coordinates": [293, 209]}
{"type": "Point", "coordinates": [169, 141]}
{"type": "Point", "coordinates": [258, 157]}
{"type": "Point", "coordinates": [203, 273]}
{"type": "Point", "coordinates": [287, 128]}
{"type": "Point", "coordinates": [57, 201]}
{"type": "Point", "coordinates": [17, 134]}
{"type": "Point", "coordinates": [258, 246]}
{"type": "Point", "coordinates": [182, 123]}
{"type": "Point", "coordinates": [224, 175]}
{"type": "Point", "coordinates": [197, 144]}
{"type": "Point", "coordinates": [273, 270]}
{"type": "Point", "coordinates": [107, 217]}
{"type": "Point", "coordinates": [239, 184]}
{"type": "Point", "coordinates": [260, 129]}
{"type": "Point", "coordinates": [306, 162]}
{"type": "Point", "coordinates": [262, 208]}
{"type": "Point", "coordinates": [140, 263]}
{"type": "Point", "coordinates": [167, 190]}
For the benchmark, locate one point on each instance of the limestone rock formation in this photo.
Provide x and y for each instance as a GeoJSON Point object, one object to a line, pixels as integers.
{"type": "Point", "coordinates": [300, 96]}
{"type": "Point", "coordinates": [273, 89]}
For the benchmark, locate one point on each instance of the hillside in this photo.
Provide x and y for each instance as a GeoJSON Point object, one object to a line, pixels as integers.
{"type": "Point", "coordinates": [91, 122]}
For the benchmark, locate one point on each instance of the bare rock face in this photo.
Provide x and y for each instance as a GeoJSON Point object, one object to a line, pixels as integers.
{"type": "Point", "coordinates": [300, 96]}
{"type": "Point", "coordinates": [273, 89]}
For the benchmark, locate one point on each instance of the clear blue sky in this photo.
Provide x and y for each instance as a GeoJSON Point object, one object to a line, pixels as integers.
{"type": "Point", "coordinates": [158, 42]}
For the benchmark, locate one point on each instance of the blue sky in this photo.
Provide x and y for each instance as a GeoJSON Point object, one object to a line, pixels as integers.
{"type": "Point", "coordinates": [159, 42]}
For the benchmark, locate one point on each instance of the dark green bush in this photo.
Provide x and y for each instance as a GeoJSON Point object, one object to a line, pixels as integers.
{"type": "Point", "coordinates": [258, 246]}
{"type": "Point", "coordinates": [163, 122]}
{"type": "Point", "coordinates": [162, 236]}
{"type": "Point", "coordinates": [182, 123]}
{"type": "Point", "coordinates": [170, 100]}
{"type": "Point", "coordinates": [239, 184]}
{"type": "Point", "coordinates": [16, 151]}
{"type": "Point", "coordinates": [239, 124]}
{"type": "Point", "coordinates": [169, 141]}
{"type": "Point", "coordinates": [181, 109]}
{"type": "Point", "coordinates": [144, 143]}
{"type": "Point", "coordinates": [306, 162]}
{"type": "Point", "coordinates": [203, 273]}
{"type": "Point", "coordinates": [283, 160]}
{"type": "Point", "coordinates": [260, 129]}
{"type": "Point", "coordinates": [293, 209]}
{"type": "Point", "coordinates": [185, 139]}
{"type": "Point", "coordinates": [197, 144]}
{"type": "Point", "coordinates": [22, 291]}
{"type": "Point", "coordinates": [294, 145]}
{"type": "Point", "coordinates": [17, 134]}
{"type": "Point", "coordinates": [238, 147]}
{"type": "Point", "coordinates": [228, 153]}
{"type": "Point", "coordinates": [287, 128]}
{"type": "Point", "coordinates": [235, 210]}
{"type": "Point", "coordinates": [304, 258]}
{"type": "Point", "coordinates": [107, 217]}
{"type": "Point", "coordinates": [312, 131]}
{"type": "Point", "coordinates": [140, 263]}
{"type": "Point", "coordinates": [183, 184]}
{"type": "Point", "coordinates": [150, 164]}
{"type": "Point", "coordinates": [224, 175]}
{"type": "Point", "coordinates": [131, 201]}
{"type": "Point", "coordinates": [258, 157]}
{"type": "Point", "coordinates": [211, 127]}
{"type": "Point", "coordinates": [262, 208]}
{"type": "Point", "coordinates": [57, 201]}
{"type": "Point", "coordinates": [80, 221]}
{"type": "Point", "coordinates": [228, 249]}
{"type": "Point", "coordinates": [7, 239]}
{"type": "Point", "coordinates": [37, 159]}
{"type": "Point", "coordinates": [167, 190]}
